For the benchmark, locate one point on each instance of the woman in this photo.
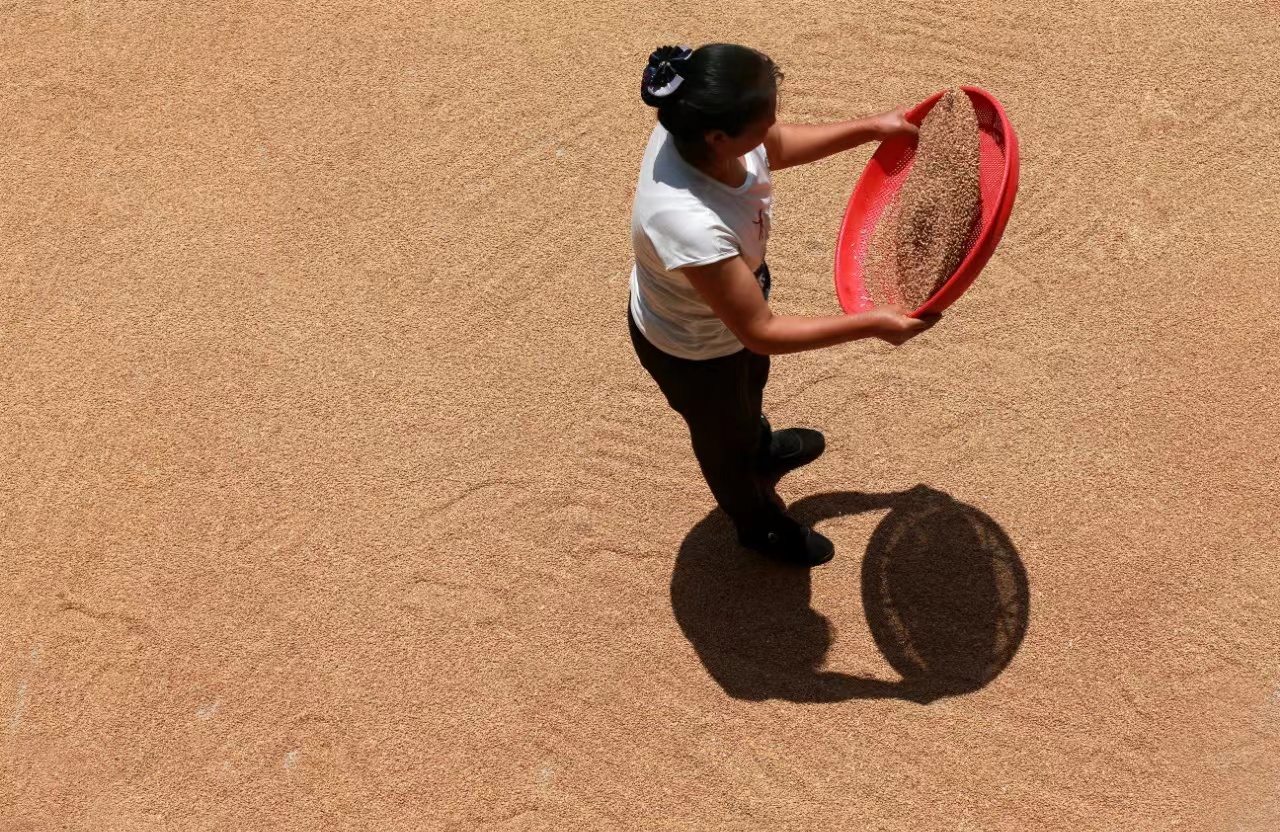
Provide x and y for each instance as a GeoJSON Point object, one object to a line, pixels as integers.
{"type": "Point", "coordinates": [699, 314]}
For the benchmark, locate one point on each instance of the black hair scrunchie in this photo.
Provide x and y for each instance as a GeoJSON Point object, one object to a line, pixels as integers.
{"type": "Point", "coordinates": [662, 76]}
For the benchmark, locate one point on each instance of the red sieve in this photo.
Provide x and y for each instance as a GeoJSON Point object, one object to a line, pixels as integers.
{"type": "Point", "coordinates": [883, 178]}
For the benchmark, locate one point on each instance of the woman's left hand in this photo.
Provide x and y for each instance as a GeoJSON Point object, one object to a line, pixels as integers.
{"type": "Point", "coordinates": [894, 123]}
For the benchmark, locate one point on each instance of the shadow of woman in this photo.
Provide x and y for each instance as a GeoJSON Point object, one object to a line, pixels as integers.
{"type": "Point", "coordinates": [944, 592]}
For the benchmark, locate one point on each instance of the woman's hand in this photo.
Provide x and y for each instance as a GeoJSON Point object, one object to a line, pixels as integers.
{"type": "Point", "coordinates": [894, 123]}
{"type": "Point", "coordinates": [894, 324]}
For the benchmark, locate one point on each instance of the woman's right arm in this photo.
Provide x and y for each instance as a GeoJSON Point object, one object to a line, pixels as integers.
{"type": "Point", "coordinates": [731, 290]}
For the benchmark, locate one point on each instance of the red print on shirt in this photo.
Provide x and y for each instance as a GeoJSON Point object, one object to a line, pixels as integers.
{"type": "Point", "coordinates": [763, 221]}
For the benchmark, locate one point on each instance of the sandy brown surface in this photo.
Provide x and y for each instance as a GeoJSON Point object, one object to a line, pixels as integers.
{"type": "Point", "coordinates": [334, 497]}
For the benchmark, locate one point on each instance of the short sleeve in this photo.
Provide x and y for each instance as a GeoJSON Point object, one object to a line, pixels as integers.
{"type": "Point", "coordinates": [762, 157]}
{"type": "Point", "coordinates": [688, 238]}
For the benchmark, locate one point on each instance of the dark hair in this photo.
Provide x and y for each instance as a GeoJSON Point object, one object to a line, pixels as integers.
{"type": "Point", "coordinates": [719, 86]}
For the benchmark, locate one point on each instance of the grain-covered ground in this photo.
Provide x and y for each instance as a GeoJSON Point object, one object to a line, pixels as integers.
{"type": "Point", "coordinates": [333, 496]}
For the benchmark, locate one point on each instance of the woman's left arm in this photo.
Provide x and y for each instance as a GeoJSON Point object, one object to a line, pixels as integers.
{"type": "Point", "coordinates": [797, 144]}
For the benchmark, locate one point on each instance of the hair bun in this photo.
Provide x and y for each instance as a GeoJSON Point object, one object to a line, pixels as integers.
{"type": "Point", "coordinates": [662, 76]}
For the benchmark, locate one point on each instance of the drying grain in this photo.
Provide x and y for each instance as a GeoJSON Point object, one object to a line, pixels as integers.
{"type": "Point", "coordinates": [880, 267]}
{"type": "Point", "coordinates": [922, 236]}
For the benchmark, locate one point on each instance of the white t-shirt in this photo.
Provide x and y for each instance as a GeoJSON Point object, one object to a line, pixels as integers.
{"type": "Point", "coordinates": [682, 217]}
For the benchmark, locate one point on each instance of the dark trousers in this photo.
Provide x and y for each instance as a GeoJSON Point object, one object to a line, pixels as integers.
{"type": "Point", "coordinates": [720, 400]}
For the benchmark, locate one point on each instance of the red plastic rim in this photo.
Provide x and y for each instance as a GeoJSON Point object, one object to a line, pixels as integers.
{"type": "Point", "coordinates": [883, 178]}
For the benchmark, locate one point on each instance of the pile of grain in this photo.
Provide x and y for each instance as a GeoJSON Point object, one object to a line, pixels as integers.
{"type": "Point", "coordinates": [921, 236]}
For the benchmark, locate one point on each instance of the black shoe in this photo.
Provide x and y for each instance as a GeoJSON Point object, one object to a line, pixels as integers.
{"type": "Point", "coordinates": [789, 542]}
{"type": "Point", "coordinates": [791, 448]}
